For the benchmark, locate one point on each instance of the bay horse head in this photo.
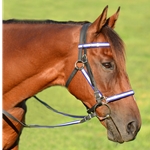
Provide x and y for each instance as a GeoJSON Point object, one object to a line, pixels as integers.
{"type": "Point", "coordinates": [40, 54]}
{"type": "Point", "coordinates": [109, 72]}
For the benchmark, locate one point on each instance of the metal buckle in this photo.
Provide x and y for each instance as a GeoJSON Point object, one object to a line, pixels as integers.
{"type": "Point", "coordinates": [79, 64]}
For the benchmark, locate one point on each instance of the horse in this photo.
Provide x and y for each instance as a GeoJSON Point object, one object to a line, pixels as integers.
{"type": "Point", "coordinates": [38, 54]}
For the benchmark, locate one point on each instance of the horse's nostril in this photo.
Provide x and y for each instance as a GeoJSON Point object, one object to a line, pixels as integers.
{"type": "Point", "coordinates": [131, 128]}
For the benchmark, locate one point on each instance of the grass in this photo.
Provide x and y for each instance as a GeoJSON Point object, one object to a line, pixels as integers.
{"type": "Point", "coordinates": [133, 26]}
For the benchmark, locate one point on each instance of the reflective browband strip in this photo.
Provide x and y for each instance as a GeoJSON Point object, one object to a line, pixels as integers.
{"type": "Point", "coordinates": [94, 45]}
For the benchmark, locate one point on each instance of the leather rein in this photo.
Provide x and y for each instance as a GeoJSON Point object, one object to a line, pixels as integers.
{"type": "Point", "coordinates": [80, 64]}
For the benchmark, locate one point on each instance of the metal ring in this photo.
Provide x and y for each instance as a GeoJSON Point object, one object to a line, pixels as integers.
{"type": "Point", "coordinates": [77, 65]}
{"type": "Point", "coordinates": [108, 115]}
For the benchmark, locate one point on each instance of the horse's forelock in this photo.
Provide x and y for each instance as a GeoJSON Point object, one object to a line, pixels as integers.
{"type": "Point", "coordinates": [117, 46]}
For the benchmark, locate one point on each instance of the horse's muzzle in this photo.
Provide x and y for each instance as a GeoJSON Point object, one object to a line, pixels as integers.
{"type": "Point", "coordinates": [118, 134]}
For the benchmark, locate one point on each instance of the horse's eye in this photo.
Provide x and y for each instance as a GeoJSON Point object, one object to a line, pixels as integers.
{"type": "Point", "coordinates": [108, 65]}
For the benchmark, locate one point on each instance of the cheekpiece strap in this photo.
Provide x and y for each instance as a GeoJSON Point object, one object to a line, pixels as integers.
{"type": "Point", "coordinates": [82, 40]}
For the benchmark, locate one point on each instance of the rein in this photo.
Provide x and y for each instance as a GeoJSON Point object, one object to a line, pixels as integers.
{"type": "Point", "coordinates": [80, 64]}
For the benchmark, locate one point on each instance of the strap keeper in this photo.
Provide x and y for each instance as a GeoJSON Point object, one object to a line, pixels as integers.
{"type": "Point", "coordinates": [98, 96]}
{"type": "Point", "coordinates": [88, 117]}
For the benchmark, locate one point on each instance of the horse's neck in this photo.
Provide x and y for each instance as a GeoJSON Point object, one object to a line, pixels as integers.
{"type": "Point", "coordinates": [59, 51]}
{"type": "Point", "coordinates": [37, 57]}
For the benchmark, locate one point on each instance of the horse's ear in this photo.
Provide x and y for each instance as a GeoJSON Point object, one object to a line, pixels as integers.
{"type": "Point", "coordinates": [99, 22]}
{"type": "Point", "coordinates": [112, 20]}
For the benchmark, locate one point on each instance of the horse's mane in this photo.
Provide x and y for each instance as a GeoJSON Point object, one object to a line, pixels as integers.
{"type": "Point", "coordinates": [117, 46]}
{"type": "Point", "coordinates": [43, 22]}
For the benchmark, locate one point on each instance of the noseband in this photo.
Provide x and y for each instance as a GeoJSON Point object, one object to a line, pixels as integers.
{"type": "Point", "coordinates": [80, 65]}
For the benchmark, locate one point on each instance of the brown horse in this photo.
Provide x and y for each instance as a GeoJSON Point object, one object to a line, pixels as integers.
{"type": "Point", "coordinates": [40, 54]}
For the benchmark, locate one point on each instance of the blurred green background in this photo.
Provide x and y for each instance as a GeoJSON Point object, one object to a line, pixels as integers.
{"type": "Point", "coordinates": [133, 27]}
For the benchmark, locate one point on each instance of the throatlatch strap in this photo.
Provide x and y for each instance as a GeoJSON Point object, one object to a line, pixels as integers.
{"type": "Point", "coordinates": [82, 41]}
{"type": "Point", "coordinates": [71, 77]}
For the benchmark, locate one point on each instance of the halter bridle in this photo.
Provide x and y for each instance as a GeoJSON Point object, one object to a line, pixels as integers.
{"type": "Point", "coordinates": [83, 61]}
{"type": "Point", "coordinates": [80, 64]}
